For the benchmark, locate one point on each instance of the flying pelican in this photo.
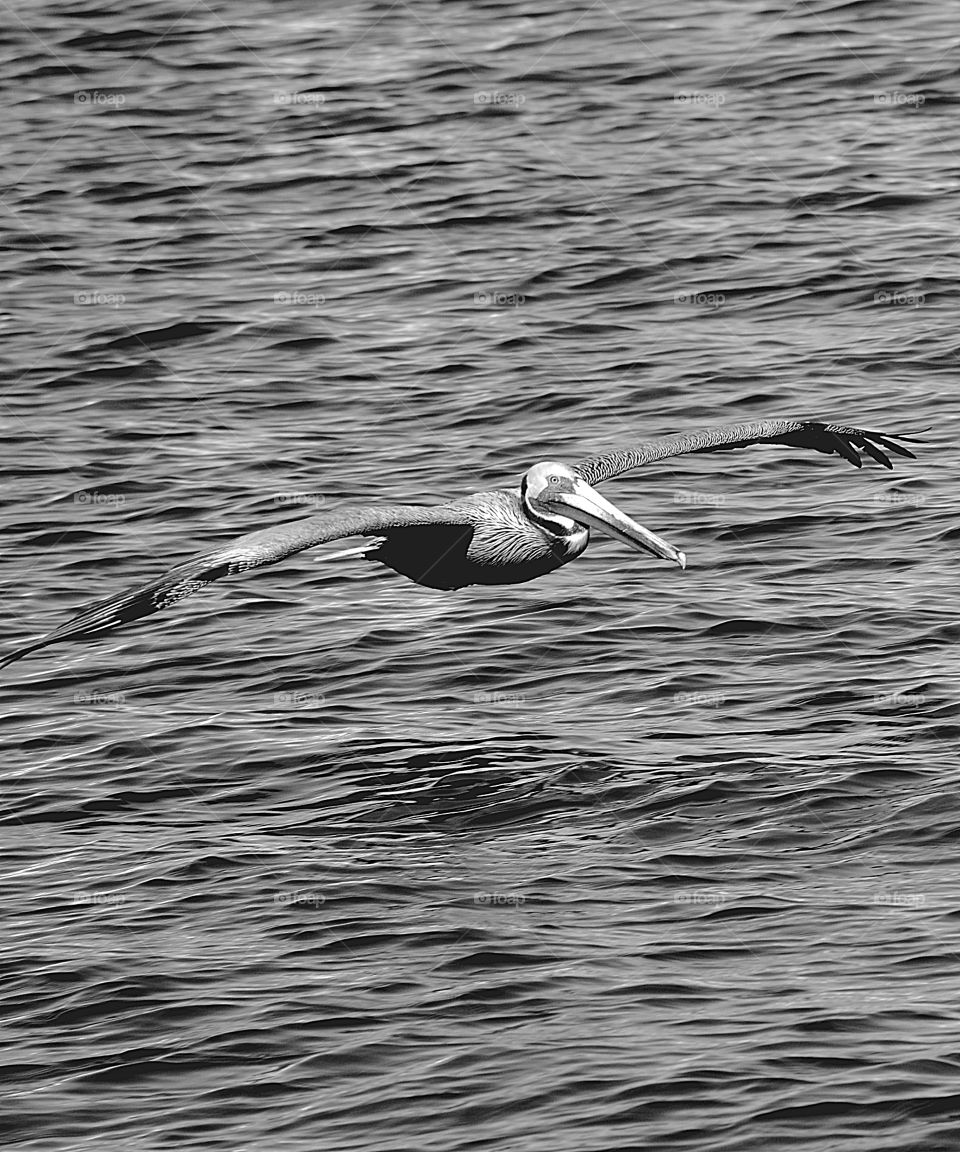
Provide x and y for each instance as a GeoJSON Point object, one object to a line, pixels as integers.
{"type": "Point", "coordinates": [506, 536]}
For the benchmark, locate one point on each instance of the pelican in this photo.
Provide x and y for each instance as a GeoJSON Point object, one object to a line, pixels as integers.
{"type": "Point", "coordinates": [506, 536]}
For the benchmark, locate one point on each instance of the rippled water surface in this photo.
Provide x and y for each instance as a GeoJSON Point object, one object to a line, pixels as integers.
{"type": "Point", "coordinates": [625, 857]}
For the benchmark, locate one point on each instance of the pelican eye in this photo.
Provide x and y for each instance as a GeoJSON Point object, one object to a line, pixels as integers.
{"type": "Point", "coordinates": [554, 480]}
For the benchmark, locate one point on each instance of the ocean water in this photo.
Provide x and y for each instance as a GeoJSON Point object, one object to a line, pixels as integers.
{"type": "Point", "coordinates": [625, 857]}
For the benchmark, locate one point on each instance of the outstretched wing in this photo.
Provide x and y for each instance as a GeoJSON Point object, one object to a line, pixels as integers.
{"type": "Point", "coordinates": [833, 439]}
{"type": "Point", "coordinates": [255, 550]}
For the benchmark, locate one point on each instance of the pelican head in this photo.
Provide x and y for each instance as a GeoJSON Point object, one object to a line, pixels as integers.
{"type": "Point", "coordinates": [556, 493]}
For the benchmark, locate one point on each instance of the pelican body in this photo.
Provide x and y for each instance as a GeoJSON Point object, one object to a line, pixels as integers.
{"type": "Point", "coordinates": [505, 536]}
{"type": "Point", "coordinates": [509, 536]}
{"type": "Point", "coordinates": [493, 542]}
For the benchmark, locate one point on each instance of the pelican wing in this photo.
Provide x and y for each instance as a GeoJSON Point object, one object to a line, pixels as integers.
{"type": "Point", "coordinates": [833, 439]}
{"type": "Point", "coordinates": [255, 550]}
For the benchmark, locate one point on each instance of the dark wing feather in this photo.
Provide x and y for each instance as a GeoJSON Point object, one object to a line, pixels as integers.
{"type": "Point", "coordinates": [255, 550]}
{"type": "Point", "coordinates": [833, 439]}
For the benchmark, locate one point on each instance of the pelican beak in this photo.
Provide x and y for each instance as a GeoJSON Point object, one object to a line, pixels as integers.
{"type": "Point", "coordinates": [585, 505]}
